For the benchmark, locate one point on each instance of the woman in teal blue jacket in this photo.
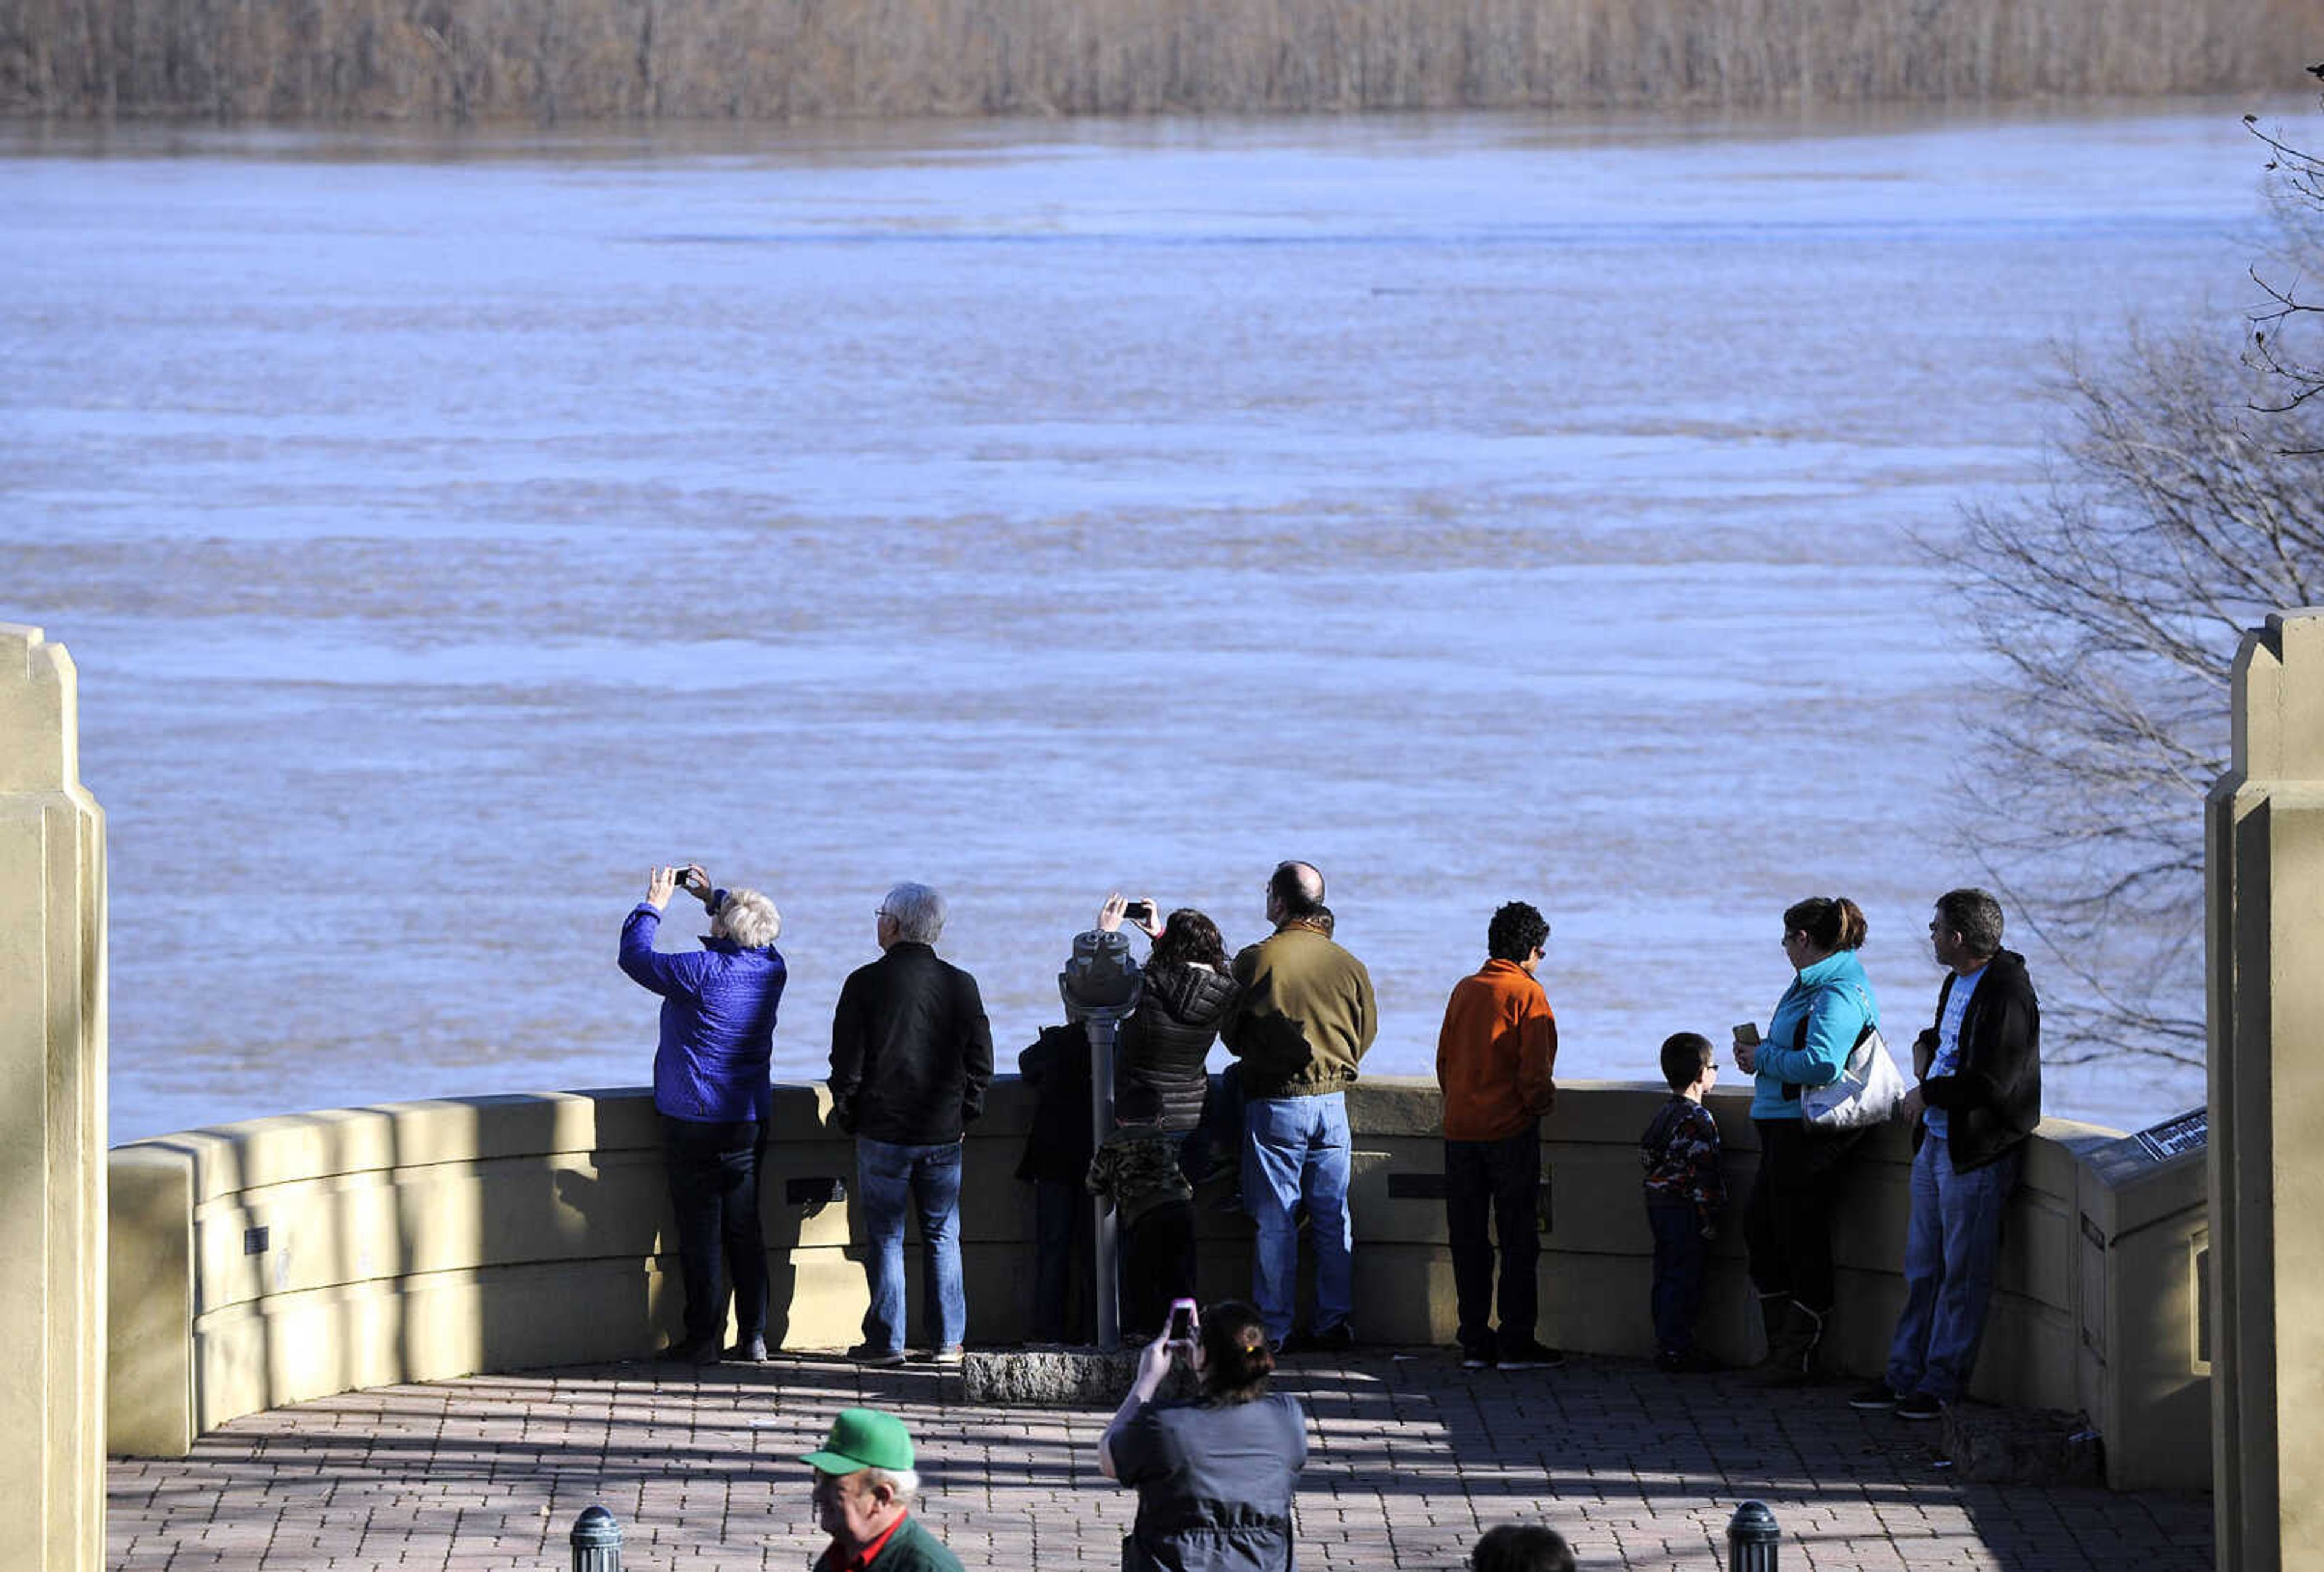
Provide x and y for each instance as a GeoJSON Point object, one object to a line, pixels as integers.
{"type": "Point", "coordinates": [1788, 1222]}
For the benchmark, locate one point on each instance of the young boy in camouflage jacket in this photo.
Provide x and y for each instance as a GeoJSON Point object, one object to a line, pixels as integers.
{"type": "Point", "coordinates": [1684, 1192]}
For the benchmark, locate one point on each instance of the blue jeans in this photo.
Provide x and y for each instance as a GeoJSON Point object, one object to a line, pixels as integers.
{"type": "Point", "coordinates": [1296, 1149]}
{"type": "Point", "coordinates": [1949, 1247]}
{"type": "Point", "coordinates": [887, 1177]}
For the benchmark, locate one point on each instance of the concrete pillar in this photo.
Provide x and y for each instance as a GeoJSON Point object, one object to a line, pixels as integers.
{"type": "Point", "coordinates": [51, 1119]}
{"type": "Point", "coordinates": [2264, 899]}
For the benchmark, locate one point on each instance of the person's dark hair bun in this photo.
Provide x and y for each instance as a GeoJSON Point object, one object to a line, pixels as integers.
{"type": "Point", "coordinates": [1237, 1358]}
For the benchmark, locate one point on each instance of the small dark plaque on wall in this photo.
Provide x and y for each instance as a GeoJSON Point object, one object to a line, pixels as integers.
{"type": "Point", "coordinates": [2190, 1132]}
{"type": "Point", "coordinates": [253, 1241]}
{"type": "Point", "coordinates": [814, 1191]}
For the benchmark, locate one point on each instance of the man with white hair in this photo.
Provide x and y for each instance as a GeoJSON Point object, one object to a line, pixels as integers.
{"type": "Point", "coordinates": [865, 1485]}
{"type": "Point", "coordinates": [1304, 1020]}
{"type": "Point", "coordinates": [911, 1054]}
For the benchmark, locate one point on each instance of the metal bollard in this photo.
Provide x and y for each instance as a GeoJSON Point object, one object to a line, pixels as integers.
{"type": "Point", "coordinates": [1753, 1539]}
{"type": "Point", "coordinates": [596, 1542]}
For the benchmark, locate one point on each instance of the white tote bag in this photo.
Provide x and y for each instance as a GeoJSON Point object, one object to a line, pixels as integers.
{"type": "Point", "coordinates": [1869, 1091]}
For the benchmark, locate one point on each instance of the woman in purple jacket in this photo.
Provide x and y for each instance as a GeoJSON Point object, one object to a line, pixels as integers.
{"type": "Point", "coordinates": [711, 1088]}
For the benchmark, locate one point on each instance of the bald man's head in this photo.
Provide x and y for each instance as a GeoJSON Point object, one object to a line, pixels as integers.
{"type": "Point", "coordinates": [1295, 891]}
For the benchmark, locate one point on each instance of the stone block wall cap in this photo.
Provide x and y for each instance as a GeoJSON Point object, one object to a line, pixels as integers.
{"type": "Point", "coordinates": [40, 720]}
{"type": "Point", "coordinates": [2277, 709]}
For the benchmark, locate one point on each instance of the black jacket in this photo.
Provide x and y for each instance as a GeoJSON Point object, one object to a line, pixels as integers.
{"type": "Point", "coordinates": [1164, 1043]}
{"type": "Point", "coordinates": [1059, 1145]}
{"type": "Point", "coordinates": [911, 1052]}
{"type": "Point", "coordinates": [1993, 1098]}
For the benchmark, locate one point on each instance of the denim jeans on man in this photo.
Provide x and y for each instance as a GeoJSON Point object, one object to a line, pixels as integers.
{"type": "Point", "coordinates": [1502, 1178]}
{"type": "Point", "coordinates": [888, 1177]}
{"type": "Point", "coordinates": [1949, 1246]}
{"type": "Point", "coordinates": [1296, 1149]}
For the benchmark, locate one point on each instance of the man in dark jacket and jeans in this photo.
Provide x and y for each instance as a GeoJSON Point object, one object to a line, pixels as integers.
{"type": "Point", "coordinates": [1979, 1097]}
{"type": "Point", "coordinates": [911, 1054]}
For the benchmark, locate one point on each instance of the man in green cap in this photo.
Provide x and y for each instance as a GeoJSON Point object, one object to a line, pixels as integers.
{"type": "Point", "coordinates": [863, 1491]}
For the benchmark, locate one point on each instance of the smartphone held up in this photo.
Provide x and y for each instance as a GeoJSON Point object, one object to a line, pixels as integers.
{"type": "Point", "coordinates": [1184, 1321]}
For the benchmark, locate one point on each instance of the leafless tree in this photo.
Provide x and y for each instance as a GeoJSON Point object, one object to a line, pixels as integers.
{"type": "Point", "coordinates": [2287, 327]}
{"type": "Point", "coordinates": [2184, 500]}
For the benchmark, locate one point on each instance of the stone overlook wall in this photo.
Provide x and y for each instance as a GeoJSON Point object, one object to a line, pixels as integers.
{"type": "Point", "coordinates": [288, 1258]}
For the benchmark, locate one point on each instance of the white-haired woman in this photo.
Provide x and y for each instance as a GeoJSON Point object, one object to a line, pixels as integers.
{"type": "Point", "coordinates": [711, 1088]}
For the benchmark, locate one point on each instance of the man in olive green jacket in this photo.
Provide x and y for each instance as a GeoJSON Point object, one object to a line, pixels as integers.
{"type": "Point", "coordinates": [1301, 1027]}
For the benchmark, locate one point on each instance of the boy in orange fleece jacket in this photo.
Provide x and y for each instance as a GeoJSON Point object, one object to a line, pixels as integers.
{"type": "Point", "coordinates": [1494, 1058]}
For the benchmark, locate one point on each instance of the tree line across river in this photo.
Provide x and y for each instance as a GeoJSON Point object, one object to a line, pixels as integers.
{"type": "Point", "coordinates": [543, 62]}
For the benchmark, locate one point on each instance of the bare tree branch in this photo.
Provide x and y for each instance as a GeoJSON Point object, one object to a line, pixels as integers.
{"type": "Point", "coordinates": [2184, 501]}
{"type": "Point", "coordinates": [2286, 340]}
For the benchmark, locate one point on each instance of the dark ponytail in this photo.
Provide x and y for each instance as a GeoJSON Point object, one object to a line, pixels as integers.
{"type": "Point", "coordinates": [1236, 1357]}
{"type": "Point", "coordinates": [1830, 924]}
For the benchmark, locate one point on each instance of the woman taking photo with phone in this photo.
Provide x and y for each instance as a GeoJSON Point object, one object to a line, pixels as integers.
{"type": "Point", "coordinates": [1788, 1222]}
{"type": "Point", "coordinates": [1189, 987]}
{"type": "Point", "coordinates": [1214, 1477]}
{"type": "Point", "coordinates": [711, 1088]}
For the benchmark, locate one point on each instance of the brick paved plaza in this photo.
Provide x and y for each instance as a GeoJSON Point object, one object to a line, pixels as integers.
{"type": "Point", "coordinates": [1411, 1457]}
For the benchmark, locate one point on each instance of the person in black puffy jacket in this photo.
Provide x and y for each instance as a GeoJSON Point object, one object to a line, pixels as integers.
{"type": "Point", "coordinates": [1189, 987]}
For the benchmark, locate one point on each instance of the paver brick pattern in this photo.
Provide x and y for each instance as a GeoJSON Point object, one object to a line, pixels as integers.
{"type": "Point", "coordinates": [1411, 1459]}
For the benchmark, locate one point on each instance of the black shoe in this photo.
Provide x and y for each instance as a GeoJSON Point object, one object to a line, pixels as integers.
{"type": "Point", "coordinates": [1873, 1399]}
{"type": "Point", "coordinates": [1480, 1354]}
{"type": "Point", "coordinates": [1529, 1355]}
{"type": "Point", "coordinates": [1920, 1405]}
{"type": "Point", "coordinates": [1685, 1362]}
{"type": "Point", "coordinates": [749, 1351]}
{"type": "Point", "coordinates": [877, 1358]}
{"type": "Point", "coordinates": [690, 1351]}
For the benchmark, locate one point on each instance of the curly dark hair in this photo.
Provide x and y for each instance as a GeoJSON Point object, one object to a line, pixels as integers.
{"type": "Point", "coordinates": [1189, 938]}
{"type": "Point", "coordinates": [1236, 1357]}
{"type": "Point", "coordinates": [1515, 930]}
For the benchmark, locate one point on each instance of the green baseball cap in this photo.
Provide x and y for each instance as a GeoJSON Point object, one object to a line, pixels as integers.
{"type": "Point", "coordinates": [864, 1438]}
